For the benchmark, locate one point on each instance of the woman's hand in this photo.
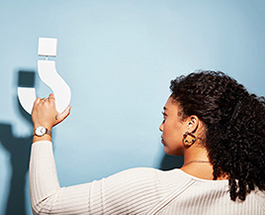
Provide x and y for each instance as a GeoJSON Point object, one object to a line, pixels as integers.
{"type": "Point", "coordinates": [44, 113]}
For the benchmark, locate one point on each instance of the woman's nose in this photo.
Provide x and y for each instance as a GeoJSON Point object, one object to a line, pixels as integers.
{"type": "Point", "coordinates": [161, 127]}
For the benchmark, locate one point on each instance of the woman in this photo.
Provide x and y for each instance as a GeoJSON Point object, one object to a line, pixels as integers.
{"type": "Point", "coordinates": [210, 119]}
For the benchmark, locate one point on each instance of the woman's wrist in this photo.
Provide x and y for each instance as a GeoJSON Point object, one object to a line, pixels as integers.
{"type": "Point", "coordinates": [45, 137]}
{"type": "Point", "coordinates": [42, 133]}
{"type": "Point", "coordinates": [36, 125]}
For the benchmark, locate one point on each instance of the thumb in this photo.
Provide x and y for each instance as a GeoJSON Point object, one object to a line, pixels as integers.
{"type": "Point", "coordinates": [64, 114]}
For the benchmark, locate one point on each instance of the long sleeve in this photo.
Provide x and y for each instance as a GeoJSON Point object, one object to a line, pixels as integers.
{"type": "Point", "coordinates": [132, 191]}
{"type": "Point", "coordinates": [47, 197]}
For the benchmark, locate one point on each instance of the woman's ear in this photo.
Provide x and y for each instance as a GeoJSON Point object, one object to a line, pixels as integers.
{"type": "Point", "coordinates": [192, 123]}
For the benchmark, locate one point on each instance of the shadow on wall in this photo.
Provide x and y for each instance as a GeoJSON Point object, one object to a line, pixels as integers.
{"type": "Point", "coordinates": [169, 162]}
{"type": "Point", "coordinates": [19, 151]}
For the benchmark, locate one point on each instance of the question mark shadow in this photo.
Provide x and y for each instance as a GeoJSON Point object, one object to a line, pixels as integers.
{"type": "Point", "coordinates": [19, 153]}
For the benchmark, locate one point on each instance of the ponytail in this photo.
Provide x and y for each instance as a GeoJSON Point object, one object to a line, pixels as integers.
{"type": "Point", "coordinates": [235, 127]}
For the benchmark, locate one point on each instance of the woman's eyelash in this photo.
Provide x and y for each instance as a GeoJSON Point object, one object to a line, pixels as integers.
{"type": "Point", "coordinates": [163, 113]}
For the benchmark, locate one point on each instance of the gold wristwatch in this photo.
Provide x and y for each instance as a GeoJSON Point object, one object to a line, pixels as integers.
{"type": "Point", "coordinates": [40, 131]}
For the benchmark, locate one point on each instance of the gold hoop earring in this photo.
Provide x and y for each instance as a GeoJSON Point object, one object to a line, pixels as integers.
{"type": "Point", "coordinates": [187, 142]}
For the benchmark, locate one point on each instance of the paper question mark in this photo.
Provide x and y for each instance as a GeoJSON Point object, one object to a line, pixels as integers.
{"type": "Point", "coordinates": [48, 74]}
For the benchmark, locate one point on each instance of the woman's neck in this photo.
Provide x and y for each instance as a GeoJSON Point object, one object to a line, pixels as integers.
{"type": "Point", "coordinates": [195, 153]}
{"type": "Point", "coordinates": [199, 170]}
{"type": "Point", "coordinates": [197, 163]}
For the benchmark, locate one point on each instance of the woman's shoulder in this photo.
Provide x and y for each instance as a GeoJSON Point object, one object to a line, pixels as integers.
{"type": "Point", "coordinates": [260, 196]}
{"type": "Point", "coordinates": [176, 174]}
{"type": "Point", "coordinates": [150, 175]}
{"type": "Point", "coordinates": [148, 178]}
{"type": "Point", "coordinates": [149, 171]}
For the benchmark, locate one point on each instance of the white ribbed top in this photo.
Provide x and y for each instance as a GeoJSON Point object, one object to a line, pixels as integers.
{"type": "Point", "coordinates": [134, 191]}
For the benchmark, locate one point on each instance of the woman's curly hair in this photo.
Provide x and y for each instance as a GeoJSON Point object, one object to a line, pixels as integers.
{"type": "Point", "coordinates": [235, 127]}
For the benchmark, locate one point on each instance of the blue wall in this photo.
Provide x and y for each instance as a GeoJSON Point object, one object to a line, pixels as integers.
{"type": "Point", "coordinates": [118, 57]}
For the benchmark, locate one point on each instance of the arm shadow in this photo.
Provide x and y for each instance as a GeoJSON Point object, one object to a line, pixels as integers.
{"type": "Point", "coordinates": [18, 149]}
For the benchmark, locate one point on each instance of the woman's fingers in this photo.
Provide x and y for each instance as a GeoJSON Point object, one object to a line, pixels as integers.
{"type": "Point", "coordinates": [51, 96]}
{"type": "Point", "coordinates": [60, 117]}
{"type": "Point", "coordinates": [37, 100]}
{"type": "Point", "coordinates": [44, 112]}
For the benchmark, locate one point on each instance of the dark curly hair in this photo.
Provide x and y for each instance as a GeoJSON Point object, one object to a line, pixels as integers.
{"type": "Point", "coordinates": [235, 127]}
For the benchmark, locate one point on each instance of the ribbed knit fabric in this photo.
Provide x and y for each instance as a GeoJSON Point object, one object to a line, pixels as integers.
{"type": "Point", "coordinates": [134, 191]}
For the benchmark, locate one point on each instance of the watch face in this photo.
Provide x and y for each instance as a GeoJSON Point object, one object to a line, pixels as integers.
{"type": "Point", "coordinates": [40, 131]}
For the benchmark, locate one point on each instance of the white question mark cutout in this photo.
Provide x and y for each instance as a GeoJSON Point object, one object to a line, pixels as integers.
{"type": "Point", "coordinates": [49, 75]}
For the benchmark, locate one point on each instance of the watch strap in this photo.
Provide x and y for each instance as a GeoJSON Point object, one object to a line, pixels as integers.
{"type": "Point", "coordinates": [48, 132]}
